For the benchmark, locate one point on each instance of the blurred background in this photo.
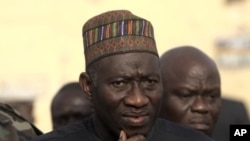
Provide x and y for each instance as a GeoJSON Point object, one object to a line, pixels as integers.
{"type": "Point", "coordinates": [41, 44]}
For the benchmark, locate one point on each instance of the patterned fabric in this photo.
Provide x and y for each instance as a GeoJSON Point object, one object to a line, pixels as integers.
{"type": "Point", "coordinates": [116, 32]}
{"type": "Point", "coordinates": [13, 127]}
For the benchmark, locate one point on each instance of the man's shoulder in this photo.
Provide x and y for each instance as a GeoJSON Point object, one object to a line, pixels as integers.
{"type": "Point", "coordinates": [74, 132]}
{"type": "Point", "coordinates": [228, 110]}
{"type": "Point", "coordinates": [13, 124]}
{"type": "Point", "coordinates": [174, 131]}
{"type": "Point", "coordinates": [231, 102]}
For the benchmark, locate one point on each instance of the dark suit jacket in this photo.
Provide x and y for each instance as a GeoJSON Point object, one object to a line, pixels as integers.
{"type": "Point", "coordinates": [163, 130]}
{"type": "Point", "coordinates": [232, 112]}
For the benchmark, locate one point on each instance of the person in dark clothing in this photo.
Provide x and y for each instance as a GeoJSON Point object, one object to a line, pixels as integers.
{"type": "Point", "coordinates": [70, 105]}
{"type": "Point", "coordinates": [162, 130]}
{"type": "Point", "coordinates": [191, 88]}
{"type": "Point", "coordinates": [123, 81]}
{"type": "Point", "coordinates": [232, 112]}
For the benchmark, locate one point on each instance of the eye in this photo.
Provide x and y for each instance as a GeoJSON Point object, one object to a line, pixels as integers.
{"type": "Point", "coordinates": [77, 116]}
{"type": "Point", "coordinates": [150, 83]}
{"type": "Point", "coordinates": [62, 119]}
{"type": "Point", "coordinates": [119, 83]}
{"type": "Point", "coordinates": [184, 94]}
{"type": "Point", "coordinates": [187, 95]}
{"type": "Point", "coordinates": [214, 95]}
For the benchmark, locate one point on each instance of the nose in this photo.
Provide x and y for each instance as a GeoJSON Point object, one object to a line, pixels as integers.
{"type": "Point", "coordinates": [200, 105]}
{"type": "Point", "coordinates": [135, 97]}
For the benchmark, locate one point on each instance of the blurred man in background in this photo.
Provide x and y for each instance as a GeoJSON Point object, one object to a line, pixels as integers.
{"type": "Point", "coordinates": [70, 105]}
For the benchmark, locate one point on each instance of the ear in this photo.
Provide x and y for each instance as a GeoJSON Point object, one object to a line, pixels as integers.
{"type": "Point", "coordinates": [84, 82]}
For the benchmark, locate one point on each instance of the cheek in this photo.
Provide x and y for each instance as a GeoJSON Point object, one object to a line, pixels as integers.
{"type": "Point", "coordinates": [215, 108]}
{"type": "Point", "coordinates": [156, 98]}
{"type": "Point", "coordinates": [176, 108]}
{"type": "Point", "coordinates": [106, 100]}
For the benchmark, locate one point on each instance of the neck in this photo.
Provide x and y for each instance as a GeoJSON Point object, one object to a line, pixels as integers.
{"type": "Point", "coordinates": [103, 132]}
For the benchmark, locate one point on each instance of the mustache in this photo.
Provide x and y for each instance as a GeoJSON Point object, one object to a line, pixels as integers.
{"type": "Point", "coordinates": [204, 120]}
{"type": "Point", "coordinates": [136, 113]}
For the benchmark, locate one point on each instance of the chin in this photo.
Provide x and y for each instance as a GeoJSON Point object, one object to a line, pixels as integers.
{"type": "Point", "coordinates": [138, 131]}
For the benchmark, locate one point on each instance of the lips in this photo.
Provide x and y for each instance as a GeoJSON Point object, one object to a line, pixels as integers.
{"type": "Point", "coordinates": [201, 125]}
{"type": "Point", "coordinates": [136, 119]}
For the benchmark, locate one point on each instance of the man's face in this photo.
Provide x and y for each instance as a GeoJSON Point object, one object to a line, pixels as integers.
{"type": "Point", "coordinates": [70, 108]}
{"type": "Point", "coordinates": [193, 97]}
{"type": "Point", "coordinates": [127, 92]}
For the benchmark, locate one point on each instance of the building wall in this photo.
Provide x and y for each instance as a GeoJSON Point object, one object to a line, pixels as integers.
{"type": "Point", "coordinates": [41, 42]}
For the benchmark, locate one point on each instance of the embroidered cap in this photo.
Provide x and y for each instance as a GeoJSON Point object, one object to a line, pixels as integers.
{"type": "Point", "coordinates": [117, 32]}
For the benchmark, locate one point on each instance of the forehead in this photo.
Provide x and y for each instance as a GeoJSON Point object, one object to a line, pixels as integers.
{"type": "Point", "coordinates": [193, 74]}
{"type": "Point", "coordinates": [70, 105]}
{"type": "Point", "coordinates": [70, 98]}
{"type": "Point", "coordinates": [69, 94]}
{"type": "Point", "coordinates": [198, 71]}
{"type": "Point", "coordinates": [142, 62]}
{"type": "Point", "coordinates": [196, 68]}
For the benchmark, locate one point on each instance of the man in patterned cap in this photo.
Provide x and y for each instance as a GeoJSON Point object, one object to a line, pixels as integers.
{"type": "Point", "coordinates": [13, 127]}
{"type": "Point", "coordinates": [123, 80]}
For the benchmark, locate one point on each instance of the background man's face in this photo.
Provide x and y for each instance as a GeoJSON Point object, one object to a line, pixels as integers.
{"type": "Point", "coordinates": [127, 92]}
{"type": "Point", "coordinates": [193, 97]}
{"type": "Point", "coordinates": [70, 108]}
